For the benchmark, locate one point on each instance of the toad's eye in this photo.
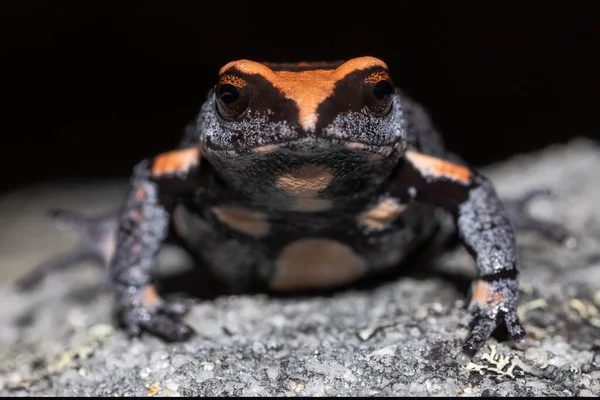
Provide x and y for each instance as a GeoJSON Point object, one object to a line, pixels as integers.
{"type": "Point", "coordinates": [228, 93]}
{"type": "Point", "coordinates": [378, 95]}
{"type": "Point", "coordinates": [232, 99]}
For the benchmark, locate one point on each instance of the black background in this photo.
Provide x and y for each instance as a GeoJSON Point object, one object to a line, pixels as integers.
{"type": "Point", "coordinates": [93, 87]}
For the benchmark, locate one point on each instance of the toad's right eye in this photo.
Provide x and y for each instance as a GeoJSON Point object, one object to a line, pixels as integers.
{"type": "Point", "coordinates": [233, 97]}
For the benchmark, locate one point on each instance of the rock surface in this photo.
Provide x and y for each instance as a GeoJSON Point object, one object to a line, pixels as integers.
{"type": "Point", "coordinates": [395, 338]}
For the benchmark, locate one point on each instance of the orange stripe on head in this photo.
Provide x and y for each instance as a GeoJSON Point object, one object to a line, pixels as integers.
{"type": "Point", "coordinates": [175, 161]}
{"type": "Point", "coordinates": [307, 88]}
{"type": "Point", "coordinates": [439, 168]}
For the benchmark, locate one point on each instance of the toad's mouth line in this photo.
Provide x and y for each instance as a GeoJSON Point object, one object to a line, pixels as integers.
{"type": "Point", "coordinates": [311, 146]}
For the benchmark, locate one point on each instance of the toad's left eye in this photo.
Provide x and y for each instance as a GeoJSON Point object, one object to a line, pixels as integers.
{"type": "Point", "coordinates": [378, 96]}
{"type": "Point", "coordinates": [383, 89]}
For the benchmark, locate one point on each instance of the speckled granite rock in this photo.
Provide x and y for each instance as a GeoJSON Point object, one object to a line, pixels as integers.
{"type": "Point", "coordinates": [392, 338]}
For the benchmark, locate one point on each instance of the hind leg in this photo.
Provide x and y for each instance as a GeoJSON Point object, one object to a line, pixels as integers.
{"type": "Point", "coordinates": [523, 221]}
{"type": "Point", "coordinates": [517, 211]}
{"type": "Point", "coordinates": [96, 244]}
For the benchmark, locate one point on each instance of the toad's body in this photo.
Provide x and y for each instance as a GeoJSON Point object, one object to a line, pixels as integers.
{"type": "Point", "coordinates": [291, 227]}
{"type": "Point", "coordinates": [304, 176]}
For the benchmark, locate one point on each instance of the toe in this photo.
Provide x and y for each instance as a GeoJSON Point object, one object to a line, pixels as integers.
{"type": "Point", "coordinates": [479, 335]}
{"type": "Point", "coordinates": [169, 328]}
{"type": "Point", "coordinates": [536, 193]}
{"type": "Point", "coordinates": [516, 330]}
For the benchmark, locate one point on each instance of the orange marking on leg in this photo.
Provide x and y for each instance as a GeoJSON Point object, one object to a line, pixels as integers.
{"type": "Point", "coordinates": [150, 297]}
{"type": "Point", "coordinates": [175, 161]}
{"type": "Point", "coordinates": [140, 194]}
{"type": "Point", "coordinates": [483, 293]}
{"type": "Point", "coordinates": [439, 168]}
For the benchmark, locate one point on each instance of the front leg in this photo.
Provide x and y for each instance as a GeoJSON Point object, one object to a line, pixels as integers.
{"type": "Point", "coordinates": [484, 229]}
{"type": "Point", "coordinates": [155, 188]}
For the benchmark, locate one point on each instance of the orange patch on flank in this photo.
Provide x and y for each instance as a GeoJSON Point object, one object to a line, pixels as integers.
{"type": "Point", "coordinates": [150, 297]}
{"type": "Point", "coordinates": [307, 88]}
{"type": "Point", "coordinates": [438, 167]}
{"type": "Point", "coordinates": [382, 215]}
{"type": "Point", "coordinates": [246, 221]}
{"type": "Point", "coordinates": [316, 263]}
{"type": "Point", "coordinates": [175, 161]}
